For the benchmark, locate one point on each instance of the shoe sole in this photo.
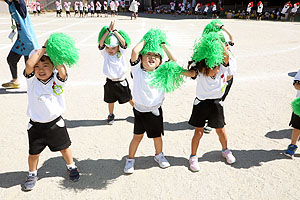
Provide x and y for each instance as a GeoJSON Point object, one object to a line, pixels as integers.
{"type": "Point", "coordinates": [194, 170]}
{"type": "Point", "coordinates": [110, 123]}
{"type": "Point", "coordinates": [288, 155]}
{"type": "Point", "coordinates": [163, 167]}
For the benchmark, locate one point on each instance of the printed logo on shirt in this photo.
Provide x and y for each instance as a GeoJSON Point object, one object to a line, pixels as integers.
{"type": "Point", "coordinates": [119, 54]}
{"type": "Point", "coordinates": [57, 89]}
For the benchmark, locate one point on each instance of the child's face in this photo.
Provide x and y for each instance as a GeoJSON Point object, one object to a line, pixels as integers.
{"type": "Point", "coordinates": [111, 50]}
{"type": "Point", "coordinates": [213, 72]}
{"type": "Point", "coordinates": [151, 60]}
{"type": "Point", "coordinates": [43, 69]}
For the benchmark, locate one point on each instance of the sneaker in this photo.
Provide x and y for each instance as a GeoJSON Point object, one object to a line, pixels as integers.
{"type": "Point", "coordinates": [194, 165]}
{"type": "Point", "coordinates": [207, 129]}
{"type": "Point", "coordinates": [230, 159]}
{"type": "Point", "coordinates": [129, 166]}
{"type": "Point", "coordinates": [291, 150]}
{"type": "Point", "coordinates": [11, 85]}
{"type": "Point", "coordinates": [30, 182]}
{"type": "Point", "coordinates": [161, 160]}
{"type": "Point", "coordinates": [74, 174]}
{"type": "Point", "coordinates": [110, 119]}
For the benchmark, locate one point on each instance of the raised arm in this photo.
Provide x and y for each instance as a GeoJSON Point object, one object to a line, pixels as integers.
{"type": "Point", "coordinates": [168, 52]}
{"type": "Point", "coordinates": [222, 27]}
{"type": "Point", "coordinates": [136, 50]}
{"type": "Point", "coordinates": [62, 71]}
{"type": "Point", "coordinates": [33, 60]}
{"type": "Point", "coordinates": [120, 38]}
{"type": "Point", "coordinates": [109, 29]}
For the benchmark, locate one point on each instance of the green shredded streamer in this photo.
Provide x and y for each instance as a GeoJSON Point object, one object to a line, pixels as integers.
{"type": "Point", "coordinates": [296, 106]}
{"type": "Point", "coordinates": [211, 27]}
{"type": "Point", "coordinates": [153, 40]}
{"type": "Point", "coordinates": [210, 48]}
{"type": "Point", "coordinates": [125, 36]}
{"type": "Point", "coordinates": [167, 76]}
{"type": "Point", "coordinates": [61, 50]}
{"type": "Point", "coordinates": [101, 33]}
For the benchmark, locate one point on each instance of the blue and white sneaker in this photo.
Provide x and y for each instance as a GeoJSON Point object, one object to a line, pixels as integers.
{"type": "Point", "coordinates": [291, 150]}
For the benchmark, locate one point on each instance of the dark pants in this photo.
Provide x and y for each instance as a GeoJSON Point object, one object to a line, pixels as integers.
{"type": "Point", "coordinates": [12, 60]}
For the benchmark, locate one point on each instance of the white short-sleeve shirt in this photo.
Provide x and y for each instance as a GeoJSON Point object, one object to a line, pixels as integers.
{"type": "Point", "coordinates": [260, 8]}
{"type": "Point", "coordinates": [143, 94]}
{"type": "Point", "coordinates": [46, 100]}
{"type": "Point", "coordinates": [212, 88]}
{"type": "Point", "coordinates": [285, 8]}
{"type": "Point", "coordinates": [114, 66]}
{"type": "Point", "coordinates": [295, 8]}
{"type": "Point", "coordinates": [249, 8]}
{"type": "Point", "coordinates": [297, 78]}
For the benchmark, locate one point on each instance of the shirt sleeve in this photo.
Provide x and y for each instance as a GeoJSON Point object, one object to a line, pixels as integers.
{"type": "Point", "coordinates": [29, 77]}
{"type": "Point", "coordinates": [59, 80]}
{"type": "Point", "coordinates": [232, 67]}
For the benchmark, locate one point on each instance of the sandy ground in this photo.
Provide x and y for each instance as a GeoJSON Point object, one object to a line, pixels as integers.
{"type": "Point", "coordinates": [257, 113]}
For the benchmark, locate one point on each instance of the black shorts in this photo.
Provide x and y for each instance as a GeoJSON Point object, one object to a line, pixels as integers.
{"type": "Point", "coordinates": [209, 109]}
{"type": "Point", "coordinates": [117, 91]}
{"type": "Point", "coordinates": [247, 13]}
{"type": "Point", "coordinates": [81, 12]}
{"type": "Point", "coordinates": [98, 11]}
{"type": "Point", "coordinates": [76, 11]}
{"type": "Point", "coordinates": [67, 12]}
{"type": "Point", "coordinates": [259, 14]}
{"type": "Point", "coordinates": [282, 14]}
{"type": "Point", "coordinates": [92, 12]}
{"type": "Point", "coordinates": [149, 123]}
{"type": "Point", "coordinates": [48, 134]}
{"type": "Point", "coordinates": [295, 121]}
{"type": "Point", "coordinates": [293, 14]}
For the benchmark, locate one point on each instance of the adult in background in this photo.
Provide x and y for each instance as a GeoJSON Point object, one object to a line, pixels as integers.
{"type": "Point", "coordinates": [26, 39]}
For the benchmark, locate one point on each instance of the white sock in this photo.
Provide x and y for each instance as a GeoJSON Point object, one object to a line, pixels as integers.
{"type": "Point", "coordinates": [71, 166]}
{"type": "Point", "coordinates": [33, 173]}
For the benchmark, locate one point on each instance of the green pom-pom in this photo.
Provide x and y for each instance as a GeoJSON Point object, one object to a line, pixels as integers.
{"type": "Point", "coordinates": [125, 36]}
{"type": "Point", "coordinates": [61, 50]}
{"type": "Point", "coordinates": [296, 106]}
{"type": "Point", "coordinates": [210, 48]}
{"type": "Point", "coordinates": [211, 27]}
{"type": "Point", "coordinates": [153, 40]}
{"type": "Point", "coordinates": [167, 76]}
{"type": "Point", "coordinates": [101, 33]}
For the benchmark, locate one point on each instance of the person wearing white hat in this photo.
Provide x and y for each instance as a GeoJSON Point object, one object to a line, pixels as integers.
{"type": "Point", "coordinates": [113, 46]}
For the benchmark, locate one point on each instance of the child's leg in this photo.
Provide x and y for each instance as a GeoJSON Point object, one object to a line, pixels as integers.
{"type": "Point", "coordinates": [33, 162]}
{"type": "Point", "coordinates": [295, 136]}
{"type": "Point", "coordinates": [196, 139]}
{"type": "Point", "coordinates": [222, 137]}
{"type": "Point", "coordinates": [67, 154]}
{"type": "Point", "coordinates": [157, 145]}
{"type": "Point", "coordinates": [111, 108]}
{"type": "Point", "coordinates": [134, 144]}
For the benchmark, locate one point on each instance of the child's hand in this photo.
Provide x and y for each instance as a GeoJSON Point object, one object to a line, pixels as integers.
{"type": "Point", "coordinates": [218, 25]}
{"type": "Point", "coordinates": [112, 25]}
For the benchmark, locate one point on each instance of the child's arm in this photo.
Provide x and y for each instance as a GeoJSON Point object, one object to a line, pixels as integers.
{"type": "Point", "coordinates": [111, 27]}
{"type": "Point", "coordinates": [168, 52]}
{"type": "Point", "coordinates": [136, 50]}
{"type": "Point", "coordinates": [33, 60]}
{"type": "Point", "coordinates": [190, 73]}
{"type": "Point", "coordinates": [62, 72]}
{"type": "Point", "coordinates": [120, 38]}
{"type": "Point", "coordinates": [222, 27]}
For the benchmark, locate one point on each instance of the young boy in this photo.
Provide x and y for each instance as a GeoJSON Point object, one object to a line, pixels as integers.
{"type": "Point", "coordinates": [295, 122]}
{"type": "Point", "coordinates": [45, 90]}
{"type": "Point", "coordinates": [113, 48]}
{"type": "Point", "coordinates": [146, 57]}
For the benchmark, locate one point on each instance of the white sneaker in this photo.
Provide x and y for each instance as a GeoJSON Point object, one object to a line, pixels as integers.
{"type": "Point", "coordinates": [161, 160]}
{"type": "Point", "coordinates": [129, 166]}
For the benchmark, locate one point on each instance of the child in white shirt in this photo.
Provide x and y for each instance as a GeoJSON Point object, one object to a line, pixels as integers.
{"type": "Point", "coordinates": [146, 57]}
{"type": "Point", "coordinates": [113, 45]}
{"type": "Point", "coordinates": [46, 104]}
{"type": "Point", "coordinates": [211, 70]}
